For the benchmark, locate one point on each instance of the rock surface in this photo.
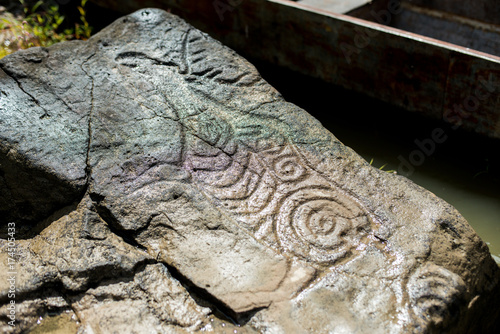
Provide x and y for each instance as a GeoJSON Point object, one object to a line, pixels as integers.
{"type": "Point", "coordinates": [159, 184]}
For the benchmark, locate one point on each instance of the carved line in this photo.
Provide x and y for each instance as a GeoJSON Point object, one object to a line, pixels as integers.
{"type": "Point", "coordinates": [212, 74]}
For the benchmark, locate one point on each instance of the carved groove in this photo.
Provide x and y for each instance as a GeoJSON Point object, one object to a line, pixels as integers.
{"type": "Point", "coordinates": [263, 180]}
{"type": "Point", "coordinates": [435, 294]}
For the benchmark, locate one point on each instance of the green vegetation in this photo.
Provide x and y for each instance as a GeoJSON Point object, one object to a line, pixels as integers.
{"type": "Point", "coordinates": [382, 167]}
{"type": "Point", "coordinates": [39, 25]}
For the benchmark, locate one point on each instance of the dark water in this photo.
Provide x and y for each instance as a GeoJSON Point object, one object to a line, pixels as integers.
{"type": "Point", "coordinates": [461, 167]}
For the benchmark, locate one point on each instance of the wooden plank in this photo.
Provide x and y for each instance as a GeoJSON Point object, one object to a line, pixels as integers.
{"type": "Point", "coordinates": [472, 98]}
{"type": "Point", "coordinates": [451, 28]}
{"type": "Point", "coordinates": [481, 10]}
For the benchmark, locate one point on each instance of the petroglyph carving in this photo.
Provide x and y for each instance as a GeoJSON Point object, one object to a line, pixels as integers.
{"type": "Point", "coordinates": [180, 178]}
{"type": "Point", "coordinates": [251, 171]}
{"type": "Point", "coordinates": [436, 294]}
{"type": "Point", "coordinates": [277, 191]}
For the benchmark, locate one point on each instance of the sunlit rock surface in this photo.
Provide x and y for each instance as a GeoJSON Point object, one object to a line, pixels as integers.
{"type": "Point", "coordinates": [158, 183]}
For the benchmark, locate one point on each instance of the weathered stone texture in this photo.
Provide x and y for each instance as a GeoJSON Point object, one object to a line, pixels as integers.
{"type": "Point", "coordinates": [160, 184]}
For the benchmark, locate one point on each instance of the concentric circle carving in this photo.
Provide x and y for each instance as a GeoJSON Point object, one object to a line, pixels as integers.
{"type": "Point", "coordinates": [289, 169]}
{"type": "Point", "coordinates": [321, 225]}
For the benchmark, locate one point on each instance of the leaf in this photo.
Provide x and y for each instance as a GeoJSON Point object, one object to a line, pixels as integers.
{"type": "Point", "coordinates": [35, 7]}
{"type": "Point", "coordinates": [59, 20]}
{"type": "Point", "coordinates": [25, 8]}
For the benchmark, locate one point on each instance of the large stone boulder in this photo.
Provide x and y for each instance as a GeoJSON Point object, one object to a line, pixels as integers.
{"type": "Point", "coordinates": [156, 183]}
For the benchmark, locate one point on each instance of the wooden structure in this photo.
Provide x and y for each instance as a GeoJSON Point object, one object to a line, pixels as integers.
{"type": "Point", "coordinates": [439, 58]}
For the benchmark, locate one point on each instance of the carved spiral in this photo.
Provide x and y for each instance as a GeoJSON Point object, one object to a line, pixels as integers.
{"type": "Point", "coordinates": [436, 295]}
{"type": "Point", "coordinates": [289, 169]}
{"type": "Point", "coordinates": [320, 224]}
